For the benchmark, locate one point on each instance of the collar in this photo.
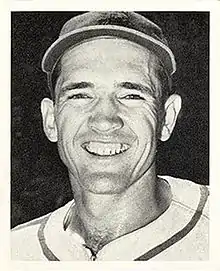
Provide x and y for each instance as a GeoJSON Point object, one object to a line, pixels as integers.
{"type": "Point", "coordinates": [60, 245]}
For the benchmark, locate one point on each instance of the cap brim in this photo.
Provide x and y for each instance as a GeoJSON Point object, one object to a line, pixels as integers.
{"type": "Point", "coordinates": [57, 49]}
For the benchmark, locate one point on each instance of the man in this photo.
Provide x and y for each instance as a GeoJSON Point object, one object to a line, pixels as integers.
{"type": "Point", "coordinates": [109, 74]}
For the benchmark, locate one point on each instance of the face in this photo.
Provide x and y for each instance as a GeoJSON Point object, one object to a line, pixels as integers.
{"type": "Point", "coordinates": [105, 115]}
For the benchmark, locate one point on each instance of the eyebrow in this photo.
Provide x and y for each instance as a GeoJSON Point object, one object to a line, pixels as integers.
{"type": "Point", "coordinates": [78, 85]}
{"type": "Point", "coordinates": [137, 86]}
{"type": "Point", "coordinates": [127, 85]}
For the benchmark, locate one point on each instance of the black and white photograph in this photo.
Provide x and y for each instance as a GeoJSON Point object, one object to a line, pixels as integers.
{"type": "Point", "coordinates": [110, 136]}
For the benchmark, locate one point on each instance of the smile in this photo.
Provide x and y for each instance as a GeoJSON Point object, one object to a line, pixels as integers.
{"type": "Point", "coordinates": [105, 149]}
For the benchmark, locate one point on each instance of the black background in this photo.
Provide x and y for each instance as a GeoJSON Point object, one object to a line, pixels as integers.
{"type": "Point", "coordinates": [39, 180]}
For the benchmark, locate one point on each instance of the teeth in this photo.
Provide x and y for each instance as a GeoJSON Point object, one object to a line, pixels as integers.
{"type": "Point", "coordinates": [117, 151]}
{"type": "Point", "coordinates": [105, 149]}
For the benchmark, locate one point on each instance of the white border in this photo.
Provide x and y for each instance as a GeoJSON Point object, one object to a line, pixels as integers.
{"type": "Point", "coordinates": [64, 5]}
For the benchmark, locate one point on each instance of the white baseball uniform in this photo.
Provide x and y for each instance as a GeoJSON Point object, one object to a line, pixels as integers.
{"type": "Point", "coordinates": [179, 234]}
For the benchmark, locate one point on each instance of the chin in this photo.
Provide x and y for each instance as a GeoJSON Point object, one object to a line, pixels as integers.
{"type": "Point", "coordinates": [100, 183]}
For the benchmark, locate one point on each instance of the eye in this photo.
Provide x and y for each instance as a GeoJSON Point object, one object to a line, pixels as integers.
{"type": "Point", "coordinates": [79, 96]}
{"type": "Point", "coordinates": [133, 97]}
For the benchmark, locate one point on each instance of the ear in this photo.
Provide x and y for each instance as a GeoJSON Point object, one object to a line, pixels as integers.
{"type": "Point", "coordinates": [172, 109]}
{"type": "Point", "coordinates": [49, 123]}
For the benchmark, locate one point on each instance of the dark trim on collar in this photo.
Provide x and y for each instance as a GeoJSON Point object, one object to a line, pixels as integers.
{"type": "Point", "coordinates": [45, 249]}
{"type": "Point", "coordinates": [204, 193]}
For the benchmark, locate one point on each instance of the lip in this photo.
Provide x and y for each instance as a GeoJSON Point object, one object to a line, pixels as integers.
{"type": "Point", "coordinates": [105, 149]}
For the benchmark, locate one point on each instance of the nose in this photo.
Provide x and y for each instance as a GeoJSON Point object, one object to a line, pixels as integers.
{"type": "Point", "coordinates": [105, 118]}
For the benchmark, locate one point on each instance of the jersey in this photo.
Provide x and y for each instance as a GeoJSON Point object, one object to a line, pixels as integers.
{"type": "Point", "coordinates": [181, 233]}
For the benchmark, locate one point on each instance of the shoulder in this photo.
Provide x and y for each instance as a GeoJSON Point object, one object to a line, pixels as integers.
{"type": "Point", "coordinates": [30, 225]}
{"type": "Point", "coordinates": [28, 240]}
{"type": "Point", "coordinates": [189, 195]}
{"type": "Point", "coordinates": [190, 207]}
{"type": "Point", "coordinates": [24, 240]}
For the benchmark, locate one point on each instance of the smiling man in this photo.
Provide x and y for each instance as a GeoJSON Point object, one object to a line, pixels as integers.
{"type": "Point", "coordinates": [109, 74]}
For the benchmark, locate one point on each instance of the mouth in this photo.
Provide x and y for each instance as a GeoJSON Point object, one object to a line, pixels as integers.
{"type": "Point", "coordinates": [105, 149]}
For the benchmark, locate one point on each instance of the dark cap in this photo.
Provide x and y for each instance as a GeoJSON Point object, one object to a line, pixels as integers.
{"type": "Point", "coordinates": [126, 25]}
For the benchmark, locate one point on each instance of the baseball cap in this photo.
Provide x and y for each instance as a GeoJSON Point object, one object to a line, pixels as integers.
{"type": "Point", "coordinates": [125, 25]}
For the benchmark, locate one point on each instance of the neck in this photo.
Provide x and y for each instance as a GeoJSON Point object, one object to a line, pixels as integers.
{"type": "Point", "coordinates": [101, 218]}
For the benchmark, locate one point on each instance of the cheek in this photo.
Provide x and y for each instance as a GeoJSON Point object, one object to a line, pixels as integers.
{"type": "Point", "coordinates": [142, 120]}
{"type": "Point", "coordinates": [150, 115]}
{"type": "Point", "coordinates": [69, 121]}
{"type": "Point", "coordinates": [146, 128]}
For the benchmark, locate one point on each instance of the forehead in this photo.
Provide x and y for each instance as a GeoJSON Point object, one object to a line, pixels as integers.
{"type": "Point", "coordinates": [108, 52]}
